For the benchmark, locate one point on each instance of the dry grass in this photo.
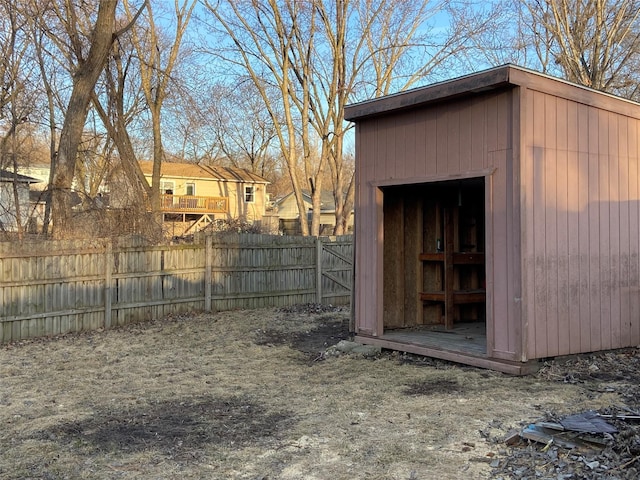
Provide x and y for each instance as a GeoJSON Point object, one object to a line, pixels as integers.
{"type": "Point", "coordinates": [247, 395]}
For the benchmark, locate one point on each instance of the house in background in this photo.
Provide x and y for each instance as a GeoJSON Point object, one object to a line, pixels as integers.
{"type": "Point", "coordinates": [287, 210]}
{"type": "Point", "coordinates": [38, 168]}
{"type": "Point", "coordinates": [193, 196]}
{"type": "Point", "coordinates": [8, 206]}
{"type": "Point", "coordinates": [498, 220]}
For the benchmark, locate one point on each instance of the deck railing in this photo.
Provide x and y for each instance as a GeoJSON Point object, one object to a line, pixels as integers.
{"type": "Point", "coordinates": [193, 204]}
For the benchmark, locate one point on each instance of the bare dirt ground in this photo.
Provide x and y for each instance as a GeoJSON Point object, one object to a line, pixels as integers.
{"type": "Point", "coordinates": [251, 395]}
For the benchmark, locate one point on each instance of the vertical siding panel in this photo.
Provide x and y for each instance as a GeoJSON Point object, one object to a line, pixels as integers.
{"type": "Point", "coordinates": [478, 130]}
{"type": "Point", "coordinates": [551, 253]}
{"type": "Point", "coordinates": [413, 157]}
{"type": "Point", "coordinates": [584, 237]}
{"type": "Point", "coordinates": [365, 222]}
{"type": "Point", "coordinates": [380, 161]}
{"type": "Point", "coordinates": [442, 164]}
{"type": "Point", "coordinates": [573, 226]}
{"type": "Point", "coordinates": [538, 319]}
{"type": "Point", "coordinates": [491, 126]}
{"type": "Point", "coordinates": [500, 269]}
{"type": "Point", "coordinates": [575, 206]}
{"type": "Point", "coordinates": [594, 232]}
{"type": "Point", "coordinates": [376, 255]}
{"type": "Point", "coordinates": [397, 140]}
{"type": "Point", "coordinates": [561, 211]}
{"type": "Point", "coordinates": [420, 142]}
{"type": "Point", "coordinates": [527, 230]}
{"type": "Point", "coordinates": [512, 164]}
{"type": "Point", "coordinates": [564, 239]}
{"type": "Point", "coordinates": [550, 122]}
{"type": "Point", "coordinates": [465, 138]}
{"type": "Point", "coordinates": [503, 121]}
{"type": "Point", "coordinates": [614, 202]}
{"type": "Point", "coordinates": [453, 139]}
{"type": "Point", "coordinates": [624, 223]}
{"type": "Point", "coordinates": [430, 139]}
{"type": "Point", "coordinates": [634, 232]}
{"type": "Point", "coordinates": [603, 203]}
{"type": "Point", "coordinates": [562, 124]}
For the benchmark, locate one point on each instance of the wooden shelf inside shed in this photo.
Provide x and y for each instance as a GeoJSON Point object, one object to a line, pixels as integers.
{"type": "Point", "coordinates": [459, 296]}
{"type": "Point", "coordinates": [475, 258]}
{"type": "Point", "coordinates": [458, 276]}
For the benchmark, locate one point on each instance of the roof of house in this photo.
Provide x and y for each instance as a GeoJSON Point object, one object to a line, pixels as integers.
{"type": "Point", "coordinates": [327, 202]}
{"type": "Point", "coordinates": [502, 77]}
{"type": "Point", "coordinates": [203, 172]}
{"type": "Point", "coordinates": [7, 176]}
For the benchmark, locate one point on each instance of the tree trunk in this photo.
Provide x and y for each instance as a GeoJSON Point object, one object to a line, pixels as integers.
{"type": "Point", "coordinates": [84, 82]}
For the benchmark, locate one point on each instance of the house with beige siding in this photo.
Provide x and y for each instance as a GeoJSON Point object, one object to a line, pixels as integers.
{"type": "Point", "coordinates": [498, 220]}
{"type": "Point", "coordinates": [196, 195]}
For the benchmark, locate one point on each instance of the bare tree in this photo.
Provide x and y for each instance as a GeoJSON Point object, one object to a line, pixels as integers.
{"type": "Point", "coordinates": [321, 55]}
{"type": "Point", "coordinates": [39, 14]}
{"type": "Point", "coordinates": [89, 66]}
{"type": "Point", "coordinates": [262, 46]}
{"type": "Point", "coordinates": [595, 43]}
{"type": "Point", "coordinates": [158, 57]}
{"type": "Point", "coordinates": [593, 40]}
{"type": "Point", "coordinates": [124, 103]}
{"type": "Point", "coordinates": [242, 129]}
{"type": "Point", "coordinates": [17, 101]}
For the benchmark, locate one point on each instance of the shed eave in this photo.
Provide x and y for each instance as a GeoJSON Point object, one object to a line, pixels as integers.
{"type": "Point", "coordinates": [474, 83]}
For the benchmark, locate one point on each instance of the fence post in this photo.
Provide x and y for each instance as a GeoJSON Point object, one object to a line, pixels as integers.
{"type": "Point", "coordinates": [318, 270]}
{"type": "Point", "coordinates": [107, 283]}
{"type": "Point", "coordinates": [208, 265]}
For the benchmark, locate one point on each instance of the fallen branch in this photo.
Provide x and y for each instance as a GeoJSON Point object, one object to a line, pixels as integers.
{"type": "Point", "coordinates": [626, 464]}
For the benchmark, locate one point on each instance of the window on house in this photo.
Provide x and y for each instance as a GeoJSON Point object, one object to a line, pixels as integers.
{"type": "Point", "coordinates": [191, 188]}
{"type": "Point", "coordinates": [166, 188]}
{"type": "Point", "coordinates": [250, 194]}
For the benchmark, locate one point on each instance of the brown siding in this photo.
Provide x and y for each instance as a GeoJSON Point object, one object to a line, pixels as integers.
{"type": "Point", "coordinates": [367, 249]}
{"type": "Point", "coordinates": [580, 236]}
{"type": "Point", "coordinates": [562, 198]}
{"type": "Point", "coordinates": [461, 138]}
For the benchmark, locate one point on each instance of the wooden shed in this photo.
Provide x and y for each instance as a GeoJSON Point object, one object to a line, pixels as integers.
{"type": "Point", "coordinates": [498, 220]}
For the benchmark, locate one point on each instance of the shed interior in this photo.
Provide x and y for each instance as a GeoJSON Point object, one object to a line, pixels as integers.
{"type": "Point", "coordinates": [434, 258]}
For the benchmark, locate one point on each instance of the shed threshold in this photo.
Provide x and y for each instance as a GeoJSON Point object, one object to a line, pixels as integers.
{"type": "Point", "coordinates": [464, 349]}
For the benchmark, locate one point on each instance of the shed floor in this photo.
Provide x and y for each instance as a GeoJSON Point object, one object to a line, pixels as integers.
{"type": "Point", "coordinates": [468, 338]}
{"type": "Point", "coordinates": [466, 344]}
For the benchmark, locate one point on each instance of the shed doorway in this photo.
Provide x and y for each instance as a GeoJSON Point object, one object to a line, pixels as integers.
{"type": "Point", "coordinates": [434, 265]}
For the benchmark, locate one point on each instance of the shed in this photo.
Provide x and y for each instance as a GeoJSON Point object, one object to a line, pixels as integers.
{"type": "Point", "coordinates": [497, 220]}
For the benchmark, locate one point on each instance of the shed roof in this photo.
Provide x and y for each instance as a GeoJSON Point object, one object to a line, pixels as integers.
{"type": "Point", "coordinates": [497, 78]}
{"type": "Point", "coordinates": [203, 172]}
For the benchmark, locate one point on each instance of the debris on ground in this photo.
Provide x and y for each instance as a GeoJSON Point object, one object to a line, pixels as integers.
{"type": "Point", "coordinates": [582, 430]}
{"type": "Point", "coordinates": [588, 445]}
{"type": "Point", "coordinates": [345, 347]}
{"type": "Point", "coordinates": [312, 308]}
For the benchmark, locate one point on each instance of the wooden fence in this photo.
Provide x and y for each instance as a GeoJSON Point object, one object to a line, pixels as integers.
{"type": "Point", "coordinates": [51, 288]}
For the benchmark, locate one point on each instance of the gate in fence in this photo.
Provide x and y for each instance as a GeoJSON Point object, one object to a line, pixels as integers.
{"type": "Point", "coordinates": [334, 269]}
